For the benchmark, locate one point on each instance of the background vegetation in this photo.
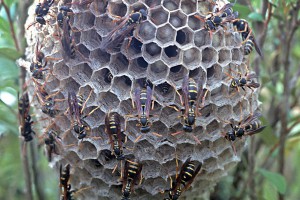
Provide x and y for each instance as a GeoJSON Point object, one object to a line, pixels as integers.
{"type": "Point", "coordinates": [269, 168]}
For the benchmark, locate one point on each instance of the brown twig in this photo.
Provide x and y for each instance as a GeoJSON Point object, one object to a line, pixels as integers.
{"type": "Point", "coordinates": [11, 25]}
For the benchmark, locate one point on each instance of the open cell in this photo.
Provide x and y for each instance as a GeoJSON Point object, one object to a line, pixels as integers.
{"type": "Point", "coordinates": [152, 3]}
{"type": "Point", "coordinates": [202, 38]}
{"type": "Point", "coordinates": [152, 51]}
{"type": "Point", "coordinates": [218, 39]}
{"type": "Point", "coordinates": [122, 86]}
{"type": "Point", "coordinates": [159, 16]}
{"type": "Point", "coordinates": [83, 50]}
{"type": "Point", "coordinates": [158, 70]}
{"type": "Point", "coordinates": [84, 20]}
{"type": "Point", "coordinates": [81, 73]}
{"type": "Point", "coordinates": [178, 19]}
{"type": "Point", "coordinates": [191, 58]}
{"type": "Point", "coordinates": [188, 6]}
{"type": "Point", "coordinates": [146, 31]}
{"type": "Point", "coordinates": [194, 23]}
{"type": "Point", "coordinates": [138, 67]}
{"type": "Point", "coordinates": [171, 4]}
{"type": "Point", "coordinates": [166, 34]}
{"type": "Point", "coordinates": [214, 73]}
{"type": "Point", "coordinates": [171, 54]}
{"type": "Point", "coordinates": [224, 56]}
{"type": "Point", "coordinates": [99, 59]}
{"type": "Point", "coordinates": [60, 70]}
{"type": "Point", "coordinates": [236, 54]}
{"type": "Point", "coordinates": [177, 73]}
{"type": "Point", "coordinates": [102, 79]}
{"type": "Point", "coordinates": [184, 36]}
{"type": "Point", "coordinates": [117, 8]}
{"type": "Point", "coordinates": [104, 25]}
{"type": "Point", "coordinates": [91, 39]}
{"type": "Point", "coordinates": [69, 84]}
{"type": "Point", "coordinates": [209, 56]}
{"type": "Point", "coordinates": [109, 100]}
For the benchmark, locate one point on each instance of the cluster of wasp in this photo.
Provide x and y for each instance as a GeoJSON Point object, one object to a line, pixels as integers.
{"type": "Point", "coordinates": [192, 98]}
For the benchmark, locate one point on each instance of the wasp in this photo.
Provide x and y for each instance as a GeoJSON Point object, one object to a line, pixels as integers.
{"type": "Point", "coordinates": [25, 118]}
{"type": "Point", "coordinates": [132, 174]}
{"type": "Point", "coordinates": [41, 10]}
{"type": "Point", "coordinates": [242, 26]}
{"type": "Point", "coordinates": [63, 14]}
{"type": "Point", "coordinates": [214, 20]}
{"type": "Point", "coordinates": [243, 81]}
{"type": "Point", "coordinates": [76, 107]}
{"type": "Point", "coordinates": [50, 142]}
{"type": "Point", "coordinates": [118, 34]}
{"type": "Point", "coordinates": [67, 40]}
{"type": "Point", "coordinates": [250, 126]}
{"type": "Point", "coordinates": [113, 129]}
{"type": "Point", "coordinates": [191, 102]}
{"type": "Point", "coordinates": [186, 176]}
{"type": "Point", "coordinates": [108, 77]}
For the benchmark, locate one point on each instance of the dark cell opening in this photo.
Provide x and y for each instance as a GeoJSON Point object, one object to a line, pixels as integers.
{"type": "Point", "coordinates": [136, 44]}
{"type": "Point", "coordinates": [127, 80]}
{"type": "Point", "coordinates": [107, 76]}
{"type": "Point", "coordinates": [164, 87]}
{"type": "Point", "coordinates": [181, 37]}
{"type": "Point", "coordinates": [210, 72]}
{"type": "Point", "coordinates": [84, 51]}
{"type": "Point", "coordinates": [118, 9]}
{"type": "Point", "coordinates": [141, 62]}
{"type": "Point", "coordinates": [171, 51]}
{"type": "Point", "coordinates": [176, 69]}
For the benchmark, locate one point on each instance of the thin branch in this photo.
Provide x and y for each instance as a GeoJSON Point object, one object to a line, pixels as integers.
{"type": "Point", "coordinates": [26, 171]}
{"type": "Point", "coordinates": [11, 25]}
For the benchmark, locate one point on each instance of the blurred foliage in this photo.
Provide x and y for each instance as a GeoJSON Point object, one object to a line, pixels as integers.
{"type": "Point", "coordinates": [269, 184]}
{"type": "Point", "coordinates": [11, 173]}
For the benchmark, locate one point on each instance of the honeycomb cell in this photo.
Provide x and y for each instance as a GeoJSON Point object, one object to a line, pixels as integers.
{"type": "Point", "coordinates": [237, 55]}
{"type": "Point", "coordinates": [188, 6]}
{"type": "Point", "coordinates": [171, 4]}
{"type": "Point", "coordinates": [214, 72]}
{"type": "Point", "coordinates": [138, 67]}
{"type": "Point", "coordinates": [90, 39]}
{"type": "Point", "coordinates": [165, 34]}
{"type": "Point", "coordinates": [85, 53]}
{"type": "Point", "coordinates": [178, 19]}
{"type": "Point", "coordinates": [177, 73]}
{"type": "Point", "coordinates": [209, 56]}
{"type": "Point", "coordinates": [99, 59]}
{"type": "Point", "coordinates": [157, 71]}
{"type": "Point", "coordinates": [132, 49]}
{"type": "Point", "coordinates": [231, 40]}
{"type": "Point", "coordinates": [224, 56]}
{"type": "Point", "coordinates": [81, 73]}
{"type": "Point", "coordinates": [102, 79]}
{"type": "Point", "coordinates": [104, 25]}
{"type": "Point", "coordinates": [60, 70]}
{"type": "Point", "coordinates": [159, 15]}
{"type": "Point", "coordinates": [164, 92]}
{"type": "Point", "coordinates": [222, 111]}
{"type": "Point", "coordinates": [122, 86]}
{"type": "Point", "coordinates": [94, 115]}
{"type": "Point", "coordinates": [160, 128]}
{"type": "Point", "coordinates": [145, 148]}
{"type": "Point", "coordinates": [117, 8]}
{"type": "Point", "coordinates": [169, 116]}
{"type": "Point", "coordinates": [87, 151]}
{"type": "Point", "coordinates": [152, 52]}
{"type": "Point", "coordinates": [146, 31]}
{"type": "Point", "coordinates": [152, 168]}
{"type": "Point", "coordinates": [184, 36]}
{"type": "Point", "coordinates": [194, 23]}
{"type": "Point", "coordinates": [109, 100]}
{"type": "Point", "coordinates": [152, 3]}
{"type": "Point", "coordinates": [164, 157]}
{"type": "Point", "coordinates": [202, 38]}
{"type": "Point", "coordinates": [118, 64]}
{"type": "Point", "coordinates": [191, 58]}
{"type": "Point", "coordinates": [69, 84]}
{"type": "Point", "coordinates": [84, 20]}
{"type": "Point", "coordinates": [171, 55]}
{"type": "Point", "coordinates": [85, 92]}
{"type": "Point", "coordinates": [218, 39]}
{"type": "Point", "coordinates": [98, 7]}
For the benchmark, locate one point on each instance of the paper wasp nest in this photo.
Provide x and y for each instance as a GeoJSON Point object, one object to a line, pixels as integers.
{"type": "Point", "coordinates": [170, 44]}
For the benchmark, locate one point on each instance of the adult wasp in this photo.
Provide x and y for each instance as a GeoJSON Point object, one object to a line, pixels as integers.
{"type": "Point", "coordinates": [132, 174]}
{"type": "Point", "coordinates": [184, 180]}
{"type": "Point", "coordinates": [50, 142]}
{"type": "Point", "coordinates": [41, 10]}
{"type": "Point", "coordinates": [126, 26]}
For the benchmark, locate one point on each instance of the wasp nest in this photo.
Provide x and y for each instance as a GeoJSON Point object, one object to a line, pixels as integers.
{"type": "Point", "coordinates": [167, 46]}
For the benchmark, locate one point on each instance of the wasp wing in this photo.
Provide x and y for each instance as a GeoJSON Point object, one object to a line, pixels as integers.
{"type": "Point", "coordinates": [250, 119]}
{"type": "Point", "coordinates": [185, 92]}
{"type": "Point", "coordinates": [252, 132]}
{"type": "Point", "coordinates": [137, 100]}
{"type": "Point", "coordinates": [148, 101]}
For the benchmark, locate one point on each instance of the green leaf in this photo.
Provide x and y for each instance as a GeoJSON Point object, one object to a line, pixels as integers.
{"type": "Point", "coordinates": [269, 191]}
{"type": "Point", "coordinates": [9, 52]}
{"type": "Point", "coordinates": [243, 10]}
{"type": "Point", "coordinates": [275, 179]}
{"type": "Point", "coordinates": [4, 25]}
{"type": "Point", "coordinates": [254, 16]}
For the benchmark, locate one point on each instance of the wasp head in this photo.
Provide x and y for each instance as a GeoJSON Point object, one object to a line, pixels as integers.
{"type": "Point", "coordinates": [143, 14]}
{"type": "Point", "coordinates": [230, 136]}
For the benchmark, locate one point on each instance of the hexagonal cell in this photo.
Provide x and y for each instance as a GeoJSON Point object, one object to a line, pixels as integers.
{"type": "Point", "coordinates": [214, 72]}
{"type": "Point", "coordinates": [151, 51]}
{"type": "Point", "coordinates": [224, 110]}
{"type": "Point", "coordinates": [90, 39]}
{"type": "Point", "coordinates": [188, 6]}
{"type": "Point", "coordinates": [231, 40]}
{"type": "Point", "coordinates": [171, 54]}
{"type": "Point", "coordinates": [224, 56]}
{"type": "Point", "coordinates": [237, 54]}
{"type": "Point", "coordinates": [109, 100]}
{"type": "Point", "coordinates": [177, 73]}
{"type": "Point", "coordinates": [157, 71]}
{"type": "Point", "coordinates": [87, 150]}
{"type": "Point", "coordinates": [152, 169]}
{"type": "Point", "coordinates": [218, 39]}
{"type": "Point", "coordinates": [69, 84]}
{"type": "Point", "coordinates": [164, 92]}
{"type": "Point", "coordinates": [84, 20]}
{"type": "Point", "coordinates": [60, 70]}
{"type": "Point", "coordinates": [104, 25]}
{"type": "Point", "coordinates": [152, 3]}
{"type": "Point", "coordinates": [159, 15]}
{"type": "Point", "coordinates": [184, 36]}
{"type": "Point", "coordinates": [178, 19]}
{"type": "Point", "coordinates": [99, 59]}
{"type": "Point", "coordinates": [102, 79]}
{"type": "Point", "coordinates": [138, 67]}
{"type": "Point", "coordinates": [202, 38]}
{"type": "Point", "coordinates": [166, 33]}
{"type": "Point", "coordinates": [117, 8]}
{"type": "Point", "coordinates": [191, 58]}
{"type": "Point", "coordinates": [98, 7]}
{"type": "Point", "coordinates": [146, 31]}
{"type": "Point", "coordinates": [194, 23]}
{"type": "Point", "coordinates": [85, 92]}
{"type": "Point", "coordinates": [133, 49]}
{"type": "Point", "coordinates": [171, 4]}
{"type": "Point", "coordinates": [122, 86]}
{"type": "Point", "coordinates": [81, 73]}
{"type": "Point", "coordinates": [169, 116]}
{"type": "Point", "coordinates": [209, 56]}
{"type": "Point", "coordinates": [118, 64]}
